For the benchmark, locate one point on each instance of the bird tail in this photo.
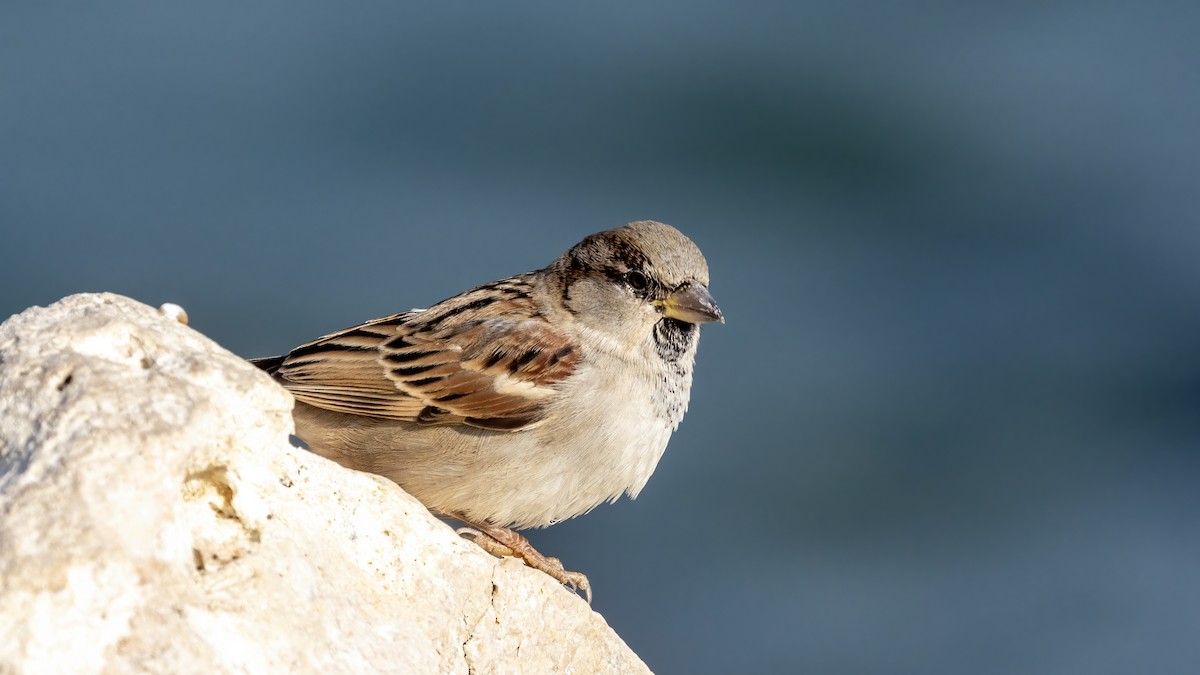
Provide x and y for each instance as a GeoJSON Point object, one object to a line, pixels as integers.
{"type": "Point", "coordinates": [269, 363]}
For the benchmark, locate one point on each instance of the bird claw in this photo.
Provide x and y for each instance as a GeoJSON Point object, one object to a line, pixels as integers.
{"type": "Point", "coordinates": [503, 542]}
{"type": "Point", "coordinates": [486, 542]}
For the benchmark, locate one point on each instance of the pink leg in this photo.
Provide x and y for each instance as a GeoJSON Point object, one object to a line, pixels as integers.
{"type": "Point", "coordinates": [503, 542]}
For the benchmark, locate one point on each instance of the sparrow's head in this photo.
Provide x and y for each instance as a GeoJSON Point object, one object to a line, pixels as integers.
{"type": "Point", "coordinates": [629, 279]}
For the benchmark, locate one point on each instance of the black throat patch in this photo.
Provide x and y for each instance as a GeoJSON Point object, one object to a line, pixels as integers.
{"type": "Point", "coordinates": [673, 338]}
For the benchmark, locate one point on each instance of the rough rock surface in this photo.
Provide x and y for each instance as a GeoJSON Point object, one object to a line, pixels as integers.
{"type": "Point", "coordinates": [155, 517]}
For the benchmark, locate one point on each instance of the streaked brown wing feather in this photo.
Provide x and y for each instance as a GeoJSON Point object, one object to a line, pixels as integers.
{"type": "Point", "coordinates": [468, 360]}
{"type": "Point", "coordinates": [497, 369]}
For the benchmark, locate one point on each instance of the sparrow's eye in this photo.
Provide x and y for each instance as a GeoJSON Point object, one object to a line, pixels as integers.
{"type": "Point", "coordinates": [637, 281]}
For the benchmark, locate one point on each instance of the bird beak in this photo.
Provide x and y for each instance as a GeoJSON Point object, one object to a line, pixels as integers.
{"type": "Point", "coordinates": [691, 303]}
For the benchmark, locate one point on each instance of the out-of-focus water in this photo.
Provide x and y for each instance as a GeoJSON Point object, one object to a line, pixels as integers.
{"type": "Point", "coordinates": [951, 425]}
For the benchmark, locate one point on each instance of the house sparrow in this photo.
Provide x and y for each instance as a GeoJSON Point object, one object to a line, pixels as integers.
{"type": "Point", "coordinates": [522, 402]}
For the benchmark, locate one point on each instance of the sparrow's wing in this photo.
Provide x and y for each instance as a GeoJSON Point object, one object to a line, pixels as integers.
{"type": "Point", "coordinates": [485, 358]}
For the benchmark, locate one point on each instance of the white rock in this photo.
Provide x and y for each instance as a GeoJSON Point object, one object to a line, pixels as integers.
{"type": "Point", "coordinates": [155, 518]}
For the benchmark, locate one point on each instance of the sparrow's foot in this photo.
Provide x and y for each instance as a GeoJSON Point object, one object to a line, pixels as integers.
{"type": "Point", "coordinates": [503, 542]}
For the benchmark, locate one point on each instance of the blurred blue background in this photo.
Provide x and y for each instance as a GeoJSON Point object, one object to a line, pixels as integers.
{"type": "Point", "coordinates": [952, 423]}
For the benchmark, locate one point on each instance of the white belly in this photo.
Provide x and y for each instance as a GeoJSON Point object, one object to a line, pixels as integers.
{"type": "Point", "coordinates": [588, 450]}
